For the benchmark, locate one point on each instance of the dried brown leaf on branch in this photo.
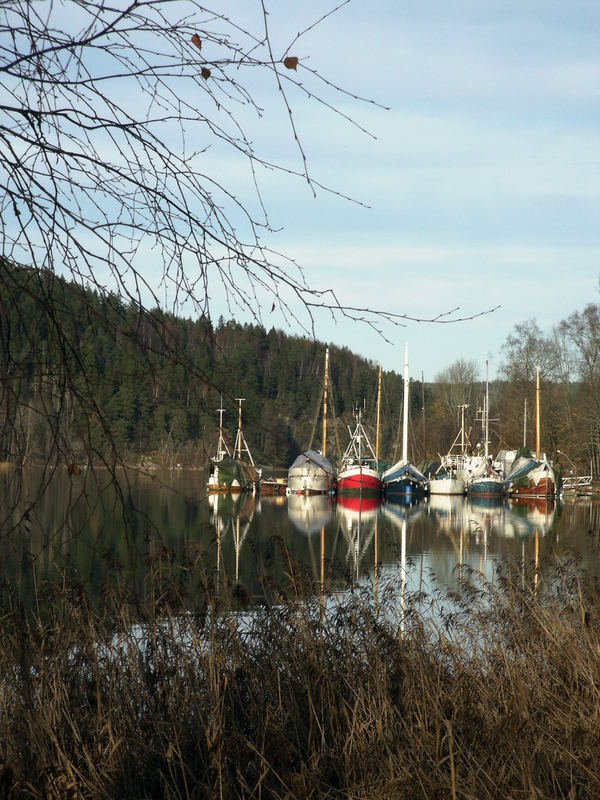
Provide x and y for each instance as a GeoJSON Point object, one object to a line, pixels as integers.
{"type": "Point", "coordinates": [197, 41]}
{"type": "Point", "coordinates": [205, 73]}
{"type": "Point", "coordinates": [290, 62]}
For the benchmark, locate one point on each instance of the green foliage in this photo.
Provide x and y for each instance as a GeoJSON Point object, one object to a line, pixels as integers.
{"type": "Point", "coordinates": [87, 376]}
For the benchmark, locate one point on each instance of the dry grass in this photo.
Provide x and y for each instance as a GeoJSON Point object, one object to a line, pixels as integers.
{"type": "Point", "coordinates": [497, 698]}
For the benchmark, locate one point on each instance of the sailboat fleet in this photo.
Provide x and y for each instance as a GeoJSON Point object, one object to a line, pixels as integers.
{"type": "Point", "coordinates": [362, 473]}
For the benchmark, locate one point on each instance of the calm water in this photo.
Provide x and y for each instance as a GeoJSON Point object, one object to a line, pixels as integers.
{"type": "Point", "coordinates": [81, 529]}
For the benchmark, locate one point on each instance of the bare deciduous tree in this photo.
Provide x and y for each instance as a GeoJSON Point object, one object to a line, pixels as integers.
{"type": "Point", "coordinates": [115, 122]}
{"type": "Point", "coordinates": [580, 336]}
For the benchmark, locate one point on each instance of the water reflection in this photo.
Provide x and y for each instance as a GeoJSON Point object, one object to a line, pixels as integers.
{"type": "Point", "coordinates": [236, 515]}
{"type": "Point", "coordinates": [309, 513]}
{"type": "Point", "coordinates": [84, 529]}
{"type": "Point", "coordinates": [357, 521]}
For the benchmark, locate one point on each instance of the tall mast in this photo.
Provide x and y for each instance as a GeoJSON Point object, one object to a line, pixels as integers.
{"type": "Point", "coordinates": [239, 431]}
{"type": "Point", "coordinates": [222, 446]}
{"type": "Point", "coordinates": [378, 410]}
{"type": "Point", "coordinates": [325, 387]}
{"type": "Point", "coordinates": [462, 427]}
{"type": "Point", "coordinates": [525, 424]}
{"type": "Point", "coordinates": [537, 415]}
{"type": "Point", "coordinates": [423, 412]}
{"type": "Point", "coordinates": [239, 439]}
{"type": "Point", "coordinates": [405, 409]}
{"type": "Point", "coordinates": [486, 410]}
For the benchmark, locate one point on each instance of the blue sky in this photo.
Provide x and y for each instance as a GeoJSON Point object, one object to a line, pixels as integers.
{"type": "Point", "coordinates": [478, 179]}
{"type": "Point", "coordinates": [483, 181]}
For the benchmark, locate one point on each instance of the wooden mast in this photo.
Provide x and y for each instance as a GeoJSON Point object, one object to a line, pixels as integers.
{"type": "Point", "coordinates": [325, 388]}
{"type": "Point", "coordinates": [423, 412]}
{"type": "Point", "coordinates": [378, 411]}
{"type": "Point", "coordinates": [486, 411]}
{"type": "Point", "coordinates": [239, 436]}
{"type": "Point", "coordinates": [537, 415]}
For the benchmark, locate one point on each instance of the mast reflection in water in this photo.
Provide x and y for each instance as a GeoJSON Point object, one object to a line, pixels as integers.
{"type": "Point", "coordinates": [254, 541]}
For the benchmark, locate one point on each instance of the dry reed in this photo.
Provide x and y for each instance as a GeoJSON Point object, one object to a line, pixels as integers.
{"type": "Point", "coordinates": [495, 695]}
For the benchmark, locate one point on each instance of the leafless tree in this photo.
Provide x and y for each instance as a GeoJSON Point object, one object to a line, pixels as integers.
{"type": "Point", "coordinates": [109, 112]}
{"type": "Point", "coordinates": [579, 334]}
{"type": "Point", "coordinates": [115, 121]}
{"type": "Point", "coordinates": [457, 386]}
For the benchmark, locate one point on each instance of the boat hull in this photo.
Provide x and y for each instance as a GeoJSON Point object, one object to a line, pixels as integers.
{"type": "Point", "coordinates": [404, 480]}
{"type": "Point", "coordinates": [311, 473]}
{"type": "Point", "coordinates": [359, 480]}
{"type": "Point", "coordinates": [273, 487]}
{"type": "Point", "coordinates": [310, 484]}
{"type": "Point", "coordinates": [404, 487]}
{"type": "Point", "coordinates": [447, 486]}
{"type": "Point", "coordinates": [539, 481]}
{"type": "Point", "coordinates": [486, 487]}
{"type": "Point", "coordinates": [231, 475]}
{"type": "Point", "coordinates": [545, 488]}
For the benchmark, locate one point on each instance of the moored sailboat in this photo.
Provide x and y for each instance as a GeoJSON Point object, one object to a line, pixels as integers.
{"type": "Point", "coordinates": [403, 478]}
{"type": "Point", "coordinates": [450, 477]}
{"type": "Point", "coordinates": [226, 473]}
{"type": "Point", "coordinates": [532, 477]}
{"type": "Point", "coordinates": [312, 472]}
{"type": "Point", "coordinates": [485, 480]}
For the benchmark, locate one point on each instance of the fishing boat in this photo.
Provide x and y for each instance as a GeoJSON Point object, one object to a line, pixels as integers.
{"type": "Point", "coordinates": [359, 473]}
{"type": "Point", "coordinates": [312, 472]}
{"type": "Point", "coordinates": [528, 476]}
{"type": "Point", "coordinates": [450, 478]}
{"type": "Point", "coordinates": [228, 473]}
{"type": "Point", "coordinates": [403, 478]}
{"type": "Point", "coordinates": [484, 479]}
{"type": "Point", "coordinates": [486, 482]}
{"type": "Point", "coordinates": [447, 481]}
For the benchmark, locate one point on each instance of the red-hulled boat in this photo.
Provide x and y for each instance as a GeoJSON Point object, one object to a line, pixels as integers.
{"type": "Point", "coordinates": [358, 473]}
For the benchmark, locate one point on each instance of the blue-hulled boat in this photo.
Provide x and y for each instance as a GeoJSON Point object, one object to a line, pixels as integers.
{"type": "Point", "coordinates": [403, 478]}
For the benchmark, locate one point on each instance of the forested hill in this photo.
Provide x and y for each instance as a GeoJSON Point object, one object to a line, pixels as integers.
{"type": "Point", "coordinates": [77, 366]}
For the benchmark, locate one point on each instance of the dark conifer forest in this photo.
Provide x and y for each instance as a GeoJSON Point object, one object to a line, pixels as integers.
{"type": "Point", "coordinates": [79, 366]}
{"type": "Point", "coordinates": [85, 377]}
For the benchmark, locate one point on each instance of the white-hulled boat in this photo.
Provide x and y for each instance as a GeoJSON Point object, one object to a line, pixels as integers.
{"type": "Point", "coordinates": [451, 476]}
{"type": "Point", "coordinates": [312, 472]}
{"type": "Point", "coordinates": [447, 481]}
{"type": "Point", "coordinates": [485, 480]}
